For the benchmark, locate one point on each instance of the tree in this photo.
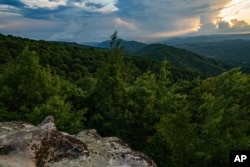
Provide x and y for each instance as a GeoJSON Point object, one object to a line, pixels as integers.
{"type": "Point", "coordinates": [141, 103]}
{"type": "Point", "coordinates": [172, 140]}
{"type": "Point", "coordinates": [26, 84]}
{"type": "Point", "coordinates": [221, 113]}
{"type": "Point", "coordinates": [30, 92]}
{"type": "Point", "coordinates": [107, 104]}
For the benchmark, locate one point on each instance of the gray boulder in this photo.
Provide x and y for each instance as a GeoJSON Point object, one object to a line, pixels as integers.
{"type": "Point", "coordinates": [26, 145]}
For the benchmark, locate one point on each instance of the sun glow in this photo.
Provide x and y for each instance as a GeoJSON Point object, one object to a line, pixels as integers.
{"type": "Point", "coordinates": [236, 9]}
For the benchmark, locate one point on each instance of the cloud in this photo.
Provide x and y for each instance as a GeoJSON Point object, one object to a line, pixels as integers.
{"type": "Point", "coordinates": [102, 6]}
{"type": "Point", "coordinates": [88, 29]}
{"type": "Point", "coordinates": [239, 26]}
{"type": "Point", "coordinates": [51, 4]}
{"type": "Point", "coordinates": [223, 25]}
{"type": "Point", "coordinates": [163, 35]}
{"type": "Point", "coordinates": [8, 14]}
{"type": "Point", "coordinates": [162, 16]}
{"type": "Point", "coordinates": [238, 23]}
{"type": "Point", "coordinates": [96, 20]}
{"type": "Point", "coordinates": [122, 23]}
{"type": "Point", "coordinates": [13, 22]}
{"type": "Point", "coordinates": [9, 10]}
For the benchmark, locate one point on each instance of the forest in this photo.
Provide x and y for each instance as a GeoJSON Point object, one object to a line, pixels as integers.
{"type": "Point", "coordinates": [178, 116]}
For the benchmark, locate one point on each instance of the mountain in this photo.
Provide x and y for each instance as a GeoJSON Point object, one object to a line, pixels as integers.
{"type": "Point", "coordinates": [184, 59]}
{"type": "Point", "coordinates": [95, 44]}
{"type": "Point", "coordinates": [75, 60]}
{"type": "Point", "coordinates": [233, 51]}
{"type": "Point", "coordinates": [205, 38]}
{"type": "Point", "coordinates": [177, 57]}
{"type": "Point", "coordinates": [130, 47]}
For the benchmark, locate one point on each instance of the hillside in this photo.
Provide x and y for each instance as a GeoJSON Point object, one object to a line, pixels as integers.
{"type": "Point", "coordinates": [235, 51]}
{"type": "Point", "coordinates": [180, 58]}
{"type": "Point", "coordinates": [184, 59]}
{"type": "Point", "coordinates": [74, 61]}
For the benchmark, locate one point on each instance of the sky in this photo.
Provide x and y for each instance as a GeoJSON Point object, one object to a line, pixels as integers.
{"type": "Point", "coordinates": [142, 20]}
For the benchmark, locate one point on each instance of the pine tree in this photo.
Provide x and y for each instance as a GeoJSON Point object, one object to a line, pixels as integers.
{"type": "Point", "coordinates": [107, 101]}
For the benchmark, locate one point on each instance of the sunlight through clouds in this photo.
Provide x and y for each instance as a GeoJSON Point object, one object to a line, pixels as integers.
{"type": "Point", "coordinates": [236, 9]}
{"type": "Point", "coordinates": [133, 19]}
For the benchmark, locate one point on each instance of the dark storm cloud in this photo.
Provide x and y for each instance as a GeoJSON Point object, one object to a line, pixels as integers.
{"type": "Point", "coordinates": [15, 3]}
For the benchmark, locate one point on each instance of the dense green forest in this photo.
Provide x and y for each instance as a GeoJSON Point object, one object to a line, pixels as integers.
{"type": "Point", "coordinates": [181, 58]}
{"type": "Point", "coordinates": [177, 116]}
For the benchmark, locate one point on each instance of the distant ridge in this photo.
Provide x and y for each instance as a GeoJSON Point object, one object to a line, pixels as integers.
{"type": "Point", "coordinates": [130, 47]}
{"type": "Point", "coordinates": [206, 38]}
{"type": "Point", "coordinates": [181, 58]}
{"type": "Point", "coordinates": [183, 63]}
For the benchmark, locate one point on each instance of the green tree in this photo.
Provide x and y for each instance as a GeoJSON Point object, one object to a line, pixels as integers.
{"type": "Point", "coordinates": [173, 129]}
{"type": "Point", "coordinates": [177, 133]}
{"type": "Point", "coordinates": [222, 117]}
{"type": "Point", "coordinates": [141, 104]}
{"type": "Point", "coordinates": [106, 103]}
{"type": "Point", "coordinates": [30, 92]}
{"type": "Point", "coordinates": [25, 84]}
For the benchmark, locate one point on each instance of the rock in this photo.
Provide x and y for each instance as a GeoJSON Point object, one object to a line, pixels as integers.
{"type": "Point", "coordinates": [26, 145]}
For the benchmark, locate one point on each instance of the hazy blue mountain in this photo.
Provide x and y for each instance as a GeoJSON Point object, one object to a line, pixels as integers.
{"type": "Point", "coordinates": [205, 38]}
{"type": "Point", "coordinates": [130, 47]}
{"type": "Point", "coordinates": [233, 51]}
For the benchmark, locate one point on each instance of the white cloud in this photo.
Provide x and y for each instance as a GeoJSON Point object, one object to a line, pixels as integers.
{"type": "Point", "coordinates": [12, 22]}
{"type": "Point", "coordinates": [102, 6]}
{"type": "Point", "coordinates": [52, 4]}
{"type": "Point", "coordinates": [7, 14]}
{"type": "Point", "coordinates": [9, 10]}
{"type": "Point", "coordinates": [122, 23]}
{"type": "Point", "coordinates": [96, 29]}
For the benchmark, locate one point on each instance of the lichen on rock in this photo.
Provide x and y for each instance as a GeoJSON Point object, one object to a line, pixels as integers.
{"type": "Point", "coordinates": [26, 145]}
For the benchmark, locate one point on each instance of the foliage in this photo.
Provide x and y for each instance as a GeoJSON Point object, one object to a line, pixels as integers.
{"type": "Point", "coordinates": [183, 58]}
{"type": "Point", "coordinates": [106, 102]}
{"type": "Point", "coordinates": [222, 116]}
{"type": "Point", "coordinates": [31, 92]}
{"type": "Point", "coordinates": [173, 114]}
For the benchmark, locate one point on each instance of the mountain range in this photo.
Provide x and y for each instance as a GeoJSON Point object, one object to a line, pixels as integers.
{"type": "Point", "coordinates": [233, 49]}
{"type": "Point", "coordinates": [205, 38]}
{"type": "Point", "coordinates": [207, 57]}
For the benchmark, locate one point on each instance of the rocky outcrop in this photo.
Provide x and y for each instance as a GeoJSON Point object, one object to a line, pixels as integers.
{"type": "Point", "coordinates": [26, 145]}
